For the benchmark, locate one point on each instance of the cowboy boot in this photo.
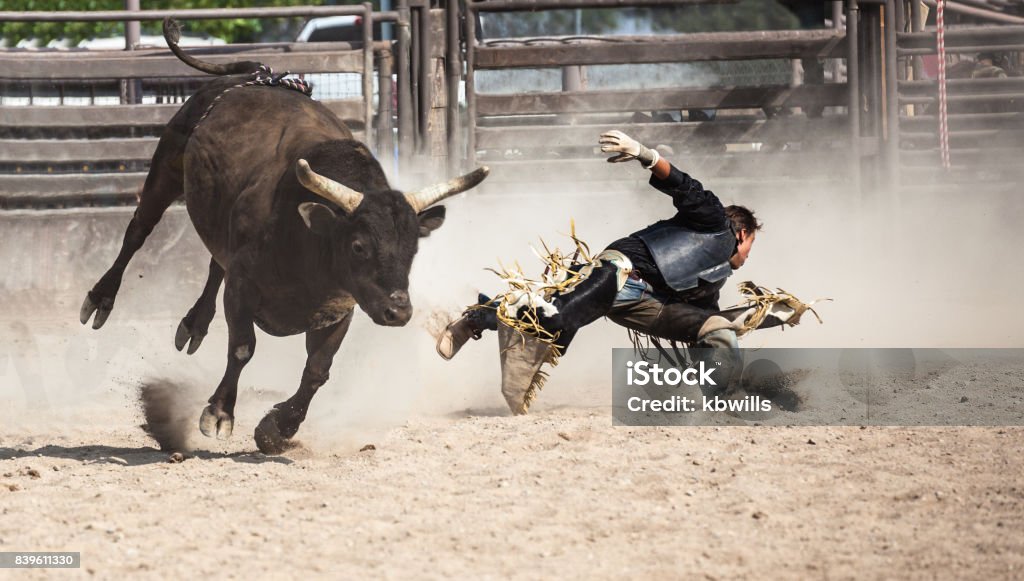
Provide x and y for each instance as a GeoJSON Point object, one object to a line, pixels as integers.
{"type": "Point", "coordinates": [471, 325]}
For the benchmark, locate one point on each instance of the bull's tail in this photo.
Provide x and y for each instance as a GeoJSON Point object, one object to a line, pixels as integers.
{"type": "Point", "coordinates": [172, 33]}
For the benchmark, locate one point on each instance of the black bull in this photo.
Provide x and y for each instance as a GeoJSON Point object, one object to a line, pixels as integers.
{"type": "Point", "coordinates": [301, 224]}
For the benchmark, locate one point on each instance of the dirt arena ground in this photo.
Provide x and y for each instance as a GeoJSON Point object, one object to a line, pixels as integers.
{"type": "Point", "coordinates": [560, 493]}
{"type": "Point", "coordinates": [452, 486]}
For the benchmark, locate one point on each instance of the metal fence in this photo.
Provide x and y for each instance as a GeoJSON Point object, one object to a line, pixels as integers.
{"type": "Point", "coordinates": [735, 121]}
{"type": "Point", "coordinates": [78, 127]}
{"type": "Point", "coordinates": [985, 110]}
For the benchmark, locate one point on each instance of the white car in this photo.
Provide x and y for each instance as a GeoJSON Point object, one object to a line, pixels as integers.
{"type": "Point", "coordinates": [328, 86]}
{"type": "Point", "coordinates": [336, 29]}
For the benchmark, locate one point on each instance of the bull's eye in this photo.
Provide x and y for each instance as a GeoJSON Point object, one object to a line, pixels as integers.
{"type": "Point", "coordinates": [359, 249]}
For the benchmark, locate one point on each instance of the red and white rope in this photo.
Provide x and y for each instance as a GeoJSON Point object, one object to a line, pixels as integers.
{"type": "Point", "coordinates": [940, 24]}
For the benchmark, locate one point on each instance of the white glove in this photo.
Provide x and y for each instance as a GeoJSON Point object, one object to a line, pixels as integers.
{"type": "Point", "coordinates": [627, 149]}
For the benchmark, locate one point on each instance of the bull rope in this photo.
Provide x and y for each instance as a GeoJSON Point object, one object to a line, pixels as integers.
{"type": "Point", "coordinates": [940, 25]}
{"type": "Point", "coordinates": [264, 76]}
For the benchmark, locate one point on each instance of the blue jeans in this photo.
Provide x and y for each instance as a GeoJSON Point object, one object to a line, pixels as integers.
{"type": "Point", "coordinates": [637, 306]}
{"type": "Point", "coordinates": [632, 291]}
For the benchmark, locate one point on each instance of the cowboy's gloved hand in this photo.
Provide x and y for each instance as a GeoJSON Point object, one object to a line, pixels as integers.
{"type": "Point", "coordinates": [627, 148]}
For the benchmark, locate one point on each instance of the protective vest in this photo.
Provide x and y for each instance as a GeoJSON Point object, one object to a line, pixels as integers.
{"type": "Point", "coordinates": [685, 257]}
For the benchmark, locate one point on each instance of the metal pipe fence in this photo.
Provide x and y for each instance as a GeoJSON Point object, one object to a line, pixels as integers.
{"type": "Point", "coordinates": [84, 155]}
{"type": "Point", "coordinates": [542, 115]}
{"type": "Point", "coordinates": [985, 130]}
{"type": "Point", "coordinates": [876, 125]}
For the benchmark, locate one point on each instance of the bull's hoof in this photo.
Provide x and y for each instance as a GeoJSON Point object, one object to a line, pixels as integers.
{"type": "Point", "coordinates": [185, 335]}
{"type": "Point", "coordinates": [95, 304]}
{"type": "Point", "coordinates": [216, 423]}
{"type": "Point", "coordinates": [268, 436]}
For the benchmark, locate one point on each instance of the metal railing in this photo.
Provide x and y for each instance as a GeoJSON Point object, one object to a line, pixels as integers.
{"type": "Point", "coordinates": [985, 111]}
{"type": "Point", "coordinates": [51, 156]}
{"type": "Point", "coordinates": [878, 124]}
{"type": "Point", "coordinates": [563, 124]}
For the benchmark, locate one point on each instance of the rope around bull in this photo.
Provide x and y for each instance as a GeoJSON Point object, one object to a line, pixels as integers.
{"type": "Point", "coordinates": [264, 76]}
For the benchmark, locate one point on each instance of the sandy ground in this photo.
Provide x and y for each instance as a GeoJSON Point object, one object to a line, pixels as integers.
{"type": "Point", "coordinates": [455, 487]}
{"type": "Point", "coordinates": [558, 493]}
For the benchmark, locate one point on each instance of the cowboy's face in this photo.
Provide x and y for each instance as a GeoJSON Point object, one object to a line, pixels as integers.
{"type": "Point", "coordinates": [744, 242]}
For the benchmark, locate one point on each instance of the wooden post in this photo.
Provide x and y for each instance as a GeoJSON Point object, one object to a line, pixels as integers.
{"type": "Point", "coordinates": [132, 37]}
{"type": "Point", "coordinates": [470, 80]}
{"type": "Point", "coordinates": [437, 112]}
{"type": "Point", "coordinates": [572, 81]}
{"type": "Point", "coordinates": [873, 30]}
{"type": "Point", "coordinates": [837, 24]}
{"type": "Point", "coordinates": [368, 73]}
{"type": "Point", "coordinates": [892, 107]}
{"type": "Point", "coordinates": [415, 64]}
{"type": "Point", "coordinates": [425, 73]}
{"type": "Point", "coordinates": [406, 126]}
{"type": "Point", "coordinates": [853, 84]}
{"type": "Point", "coordinates": [385, 126]}
{"type": "Point", "coordinates": [453, 68]}
{"type": "Point", "coordinates": [916, 25]}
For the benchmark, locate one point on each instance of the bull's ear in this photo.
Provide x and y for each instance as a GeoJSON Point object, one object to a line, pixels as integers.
{"type": "Point", "coordinates": [430, 220]}
{"type": "Point", "coordinates": [317, 217]}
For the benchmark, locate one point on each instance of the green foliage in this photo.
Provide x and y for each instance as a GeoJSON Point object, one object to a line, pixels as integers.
{"type": "Point", "coordinates": [235, 30]}
{"type": "Point", "coordinates": [14, 32]}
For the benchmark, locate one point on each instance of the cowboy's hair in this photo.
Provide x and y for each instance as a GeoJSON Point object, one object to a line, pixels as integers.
{"type": "Point", "coordinates": [742, 219]}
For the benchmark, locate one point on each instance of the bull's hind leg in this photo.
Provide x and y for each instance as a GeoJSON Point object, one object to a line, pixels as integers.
{"type": "Point", "coordinates": [163, 186]}
{"type": "Point", "coordinates": [273, 434]}
{"type": "Point", "coordinates": [196, 324]}
{"type": "Point", "coordinates": [239, 307]}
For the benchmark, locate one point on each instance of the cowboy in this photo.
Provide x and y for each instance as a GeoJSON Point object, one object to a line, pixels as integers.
{"type": "Point", "coordinates": [678, 265]}
{"type": "Point", "coordinates": [662, 281]}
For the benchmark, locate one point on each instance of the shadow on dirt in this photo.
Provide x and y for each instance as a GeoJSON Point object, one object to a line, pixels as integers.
{"type": "Point", "coordinates": [503, 412]}
{"type": "Point", "coordinates": [484, 412]}
{"type": "Point", "coordinates": [133, 456]}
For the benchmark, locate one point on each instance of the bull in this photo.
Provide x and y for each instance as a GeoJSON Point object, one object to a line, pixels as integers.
{"type": "Point", "coordinates": [300, 221]}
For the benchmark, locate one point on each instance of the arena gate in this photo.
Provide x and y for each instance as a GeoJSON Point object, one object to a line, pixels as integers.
{"type": "Point", "coordinates": [74, 150]}
{"type": "Point", "coordinates": [873, 108]}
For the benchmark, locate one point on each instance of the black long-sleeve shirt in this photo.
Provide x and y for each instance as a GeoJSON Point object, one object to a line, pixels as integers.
{"type": "Point", "coordinates": [697, 209]}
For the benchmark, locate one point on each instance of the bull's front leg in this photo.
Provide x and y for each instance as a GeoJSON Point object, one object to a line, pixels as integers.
{"type": "Point", "coordinates": [273, 434]}
{"type": "Point", "coordinates": [240, 303]}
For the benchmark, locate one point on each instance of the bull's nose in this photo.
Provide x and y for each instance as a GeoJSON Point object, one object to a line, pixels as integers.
{"type": "Point", "coordinates": [399, 299]}
{"type": "Point", "coordinates": [397, 316]}
{"type": "Point", "coordinates": [399, 309]}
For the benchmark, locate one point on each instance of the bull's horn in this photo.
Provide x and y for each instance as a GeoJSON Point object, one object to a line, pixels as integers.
{"type": "Point", "coordinates": [427, 197]}
{"type": "Point", "coordinates": [327, 188]}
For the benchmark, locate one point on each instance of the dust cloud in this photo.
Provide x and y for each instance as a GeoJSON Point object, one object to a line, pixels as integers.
{"type": "Point", "coordinates": [168, 419]}
{"type": "Point", "coordinates": [928, 269]}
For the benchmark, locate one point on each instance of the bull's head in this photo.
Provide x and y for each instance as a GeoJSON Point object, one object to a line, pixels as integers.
{"type": "Point", "coordinates": [375, 237]}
